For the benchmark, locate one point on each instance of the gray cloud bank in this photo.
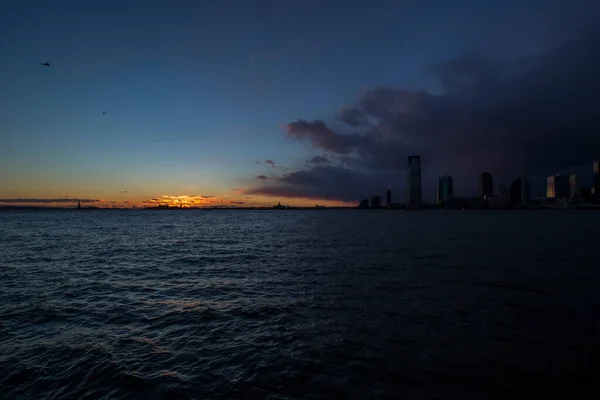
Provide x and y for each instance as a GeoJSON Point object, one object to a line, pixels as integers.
{"type": "Point", "coordinates": [535, 116]}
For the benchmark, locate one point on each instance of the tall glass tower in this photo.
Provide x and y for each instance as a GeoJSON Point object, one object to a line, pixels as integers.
{"type": "Point", "coordinates": [445, 189]}
{"type": "Point", "coordinates": [413, 183]}
{"type": "Point", "coordinates": [486, 185]}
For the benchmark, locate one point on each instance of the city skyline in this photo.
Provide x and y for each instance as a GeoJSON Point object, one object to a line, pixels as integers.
{"type": "Point", "coordinates": [215, 110]}
{"type": "Point", "coordinates": [558, 187]}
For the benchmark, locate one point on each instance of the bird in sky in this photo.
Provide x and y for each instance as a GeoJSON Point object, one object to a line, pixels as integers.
{"type": "Point", "coordinates": [103, 113]}
{"type": "Point", "coordinates": [46, 64]}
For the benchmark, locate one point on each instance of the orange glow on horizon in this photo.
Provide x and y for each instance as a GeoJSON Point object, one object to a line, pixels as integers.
{"type": "Point", "coordinates": [239, 199]}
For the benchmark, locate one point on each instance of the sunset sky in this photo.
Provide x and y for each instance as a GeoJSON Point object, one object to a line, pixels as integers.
{"type": "Point", "coordinates": [255, 102]}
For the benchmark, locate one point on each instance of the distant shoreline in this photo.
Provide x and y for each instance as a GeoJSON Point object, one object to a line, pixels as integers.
{"type": "Point", "coordinates": [21, 208]}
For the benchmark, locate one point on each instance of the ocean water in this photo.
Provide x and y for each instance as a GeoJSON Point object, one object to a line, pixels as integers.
{"type": "Point", "coordinates": [299, 304]}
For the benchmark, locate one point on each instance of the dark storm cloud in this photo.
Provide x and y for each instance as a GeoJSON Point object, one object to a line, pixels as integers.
{"type": "Point", "coordinates": [47, 201]}
{"type": "Point", "coordinates": [319, 160]}
{"type": "Point", "coordinates": [352, 117]}
{"type": "Point", "coordinates": [535, 115]}
{"type": "Point", "coordinates": [323, 137]}
{"type": "Point", "coordinates": [324, 182]}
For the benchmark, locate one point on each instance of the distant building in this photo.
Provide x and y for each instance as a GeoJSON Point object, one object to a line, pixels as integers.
{"type": "Point", "coordinates": [413, 183]}
{"type": "Point", "coordinates": [557, 187]}
{"type": "Point", "coordinates": [486, 185]}
{"type": "Point", "coordinates": [78, 204]}
{"type": "Point", "coordinates": [388, 199]}
{"type": "Point", "coordinates": [574, 188]}
{"type": "Point", "coordinates": [586, 193]}
{"type": "Point", "coordinates": [475, 203]}
{"type": "Point", "coordinates": [375, 202]}
{"type": "Point", "coordinates": [445, 189]}
{"type": "Point", "coordinates": [597, 177]}
{"type": "Point", "coordinates": [364, 204]}
{"type": "Point", "coordinates": [498, 202]}
{"type": "Point", "coordinates": [520, 191]}
{"type": "Point", "coordinates": [398, 206]}
{"type": "Point", "coordinates": [502, 191]}
{"type": "Point", "coordinates": [454, 203]}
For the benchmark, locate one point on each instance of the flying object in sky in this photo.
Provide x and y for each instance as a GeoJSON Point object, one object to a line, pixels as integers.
{"type": "Point", "coordinates": [104, 113]}
{"type": "Point", "coordinates": [45, 64]}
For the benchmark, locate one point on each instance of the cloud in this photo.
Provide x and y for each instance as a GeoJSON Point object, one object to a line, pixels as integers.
{"type": "Point", "coordinates": [271, 163]}
{"type": "Point", "coordinates": [262, 177]}
{"type": "Point", "coordinates": [187, 201]}
{"type": "Point", "coordinates": [258, 162]}
{"type": "Point", "coordinates": [235, 190]}
{"type": "Point", "coordinates": [126, 202]}
{"type": "Point", "coordinates": [326, 182]}
{"type": "Point", "coordinates": [48, 201]}
{"type": "Point", "coordinates": [321, 136]}
{"type": "Point", "coordinates": [352, 117]}
{"type": "Point", "coordinates": [532, 115]}
{"type": "Point", "coordinates": [319, 160]}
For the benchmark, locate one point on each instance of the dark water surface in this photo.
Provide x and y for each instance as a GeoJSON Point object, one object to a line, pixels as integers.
{"type": "Point", "coordinates": [322, 304]}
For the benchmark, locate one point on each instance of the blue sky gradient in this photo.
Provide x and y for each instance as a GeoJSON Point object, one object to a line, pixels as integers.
{"type": "Point", "coordinates": [196, 92]}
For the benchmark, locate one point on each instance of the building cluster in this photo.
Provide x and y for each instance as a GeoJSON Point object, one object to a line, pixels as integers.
{"type": "Point", "coordinates": [413, 190]}
{"type": "Point", "coordinates": [519, 193]}
{"type": "Point", "coordinates": [560, 190]}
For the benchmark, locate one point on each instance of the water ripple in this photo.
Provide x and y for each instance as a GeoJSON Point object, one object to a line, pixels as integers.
{"type": "Point", "coordinates": [157, 305]}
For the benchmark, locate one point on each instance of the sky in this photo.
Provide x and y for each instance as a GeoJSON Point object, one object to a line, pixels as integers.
{"type": "Point", "coordinates": [238, 103]}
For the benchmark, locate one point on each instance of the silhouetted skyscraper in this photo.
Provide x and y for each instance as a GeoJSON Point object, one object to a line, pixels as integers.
{"type": "Point", "coordinates": [520, 191]}
{"type": "Point", "coordinates": [375, 202]}
{"type": "Point", "coordinates": [388, 199]}
{"type": "Point", "coordinates": [486, 185]}
{"type": "Point", "coordinates": [413, 183]}
{"type": "Point", "coordinates": [597, 177]}
{"type": "Point", "coordinates": [586, 193]}
{"type": "Point", "coordinates": [445, 188]}
{"type": "Point", "coordinates": [557, 187]}
{"type": "Point", "coordinates": [574, 188]}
